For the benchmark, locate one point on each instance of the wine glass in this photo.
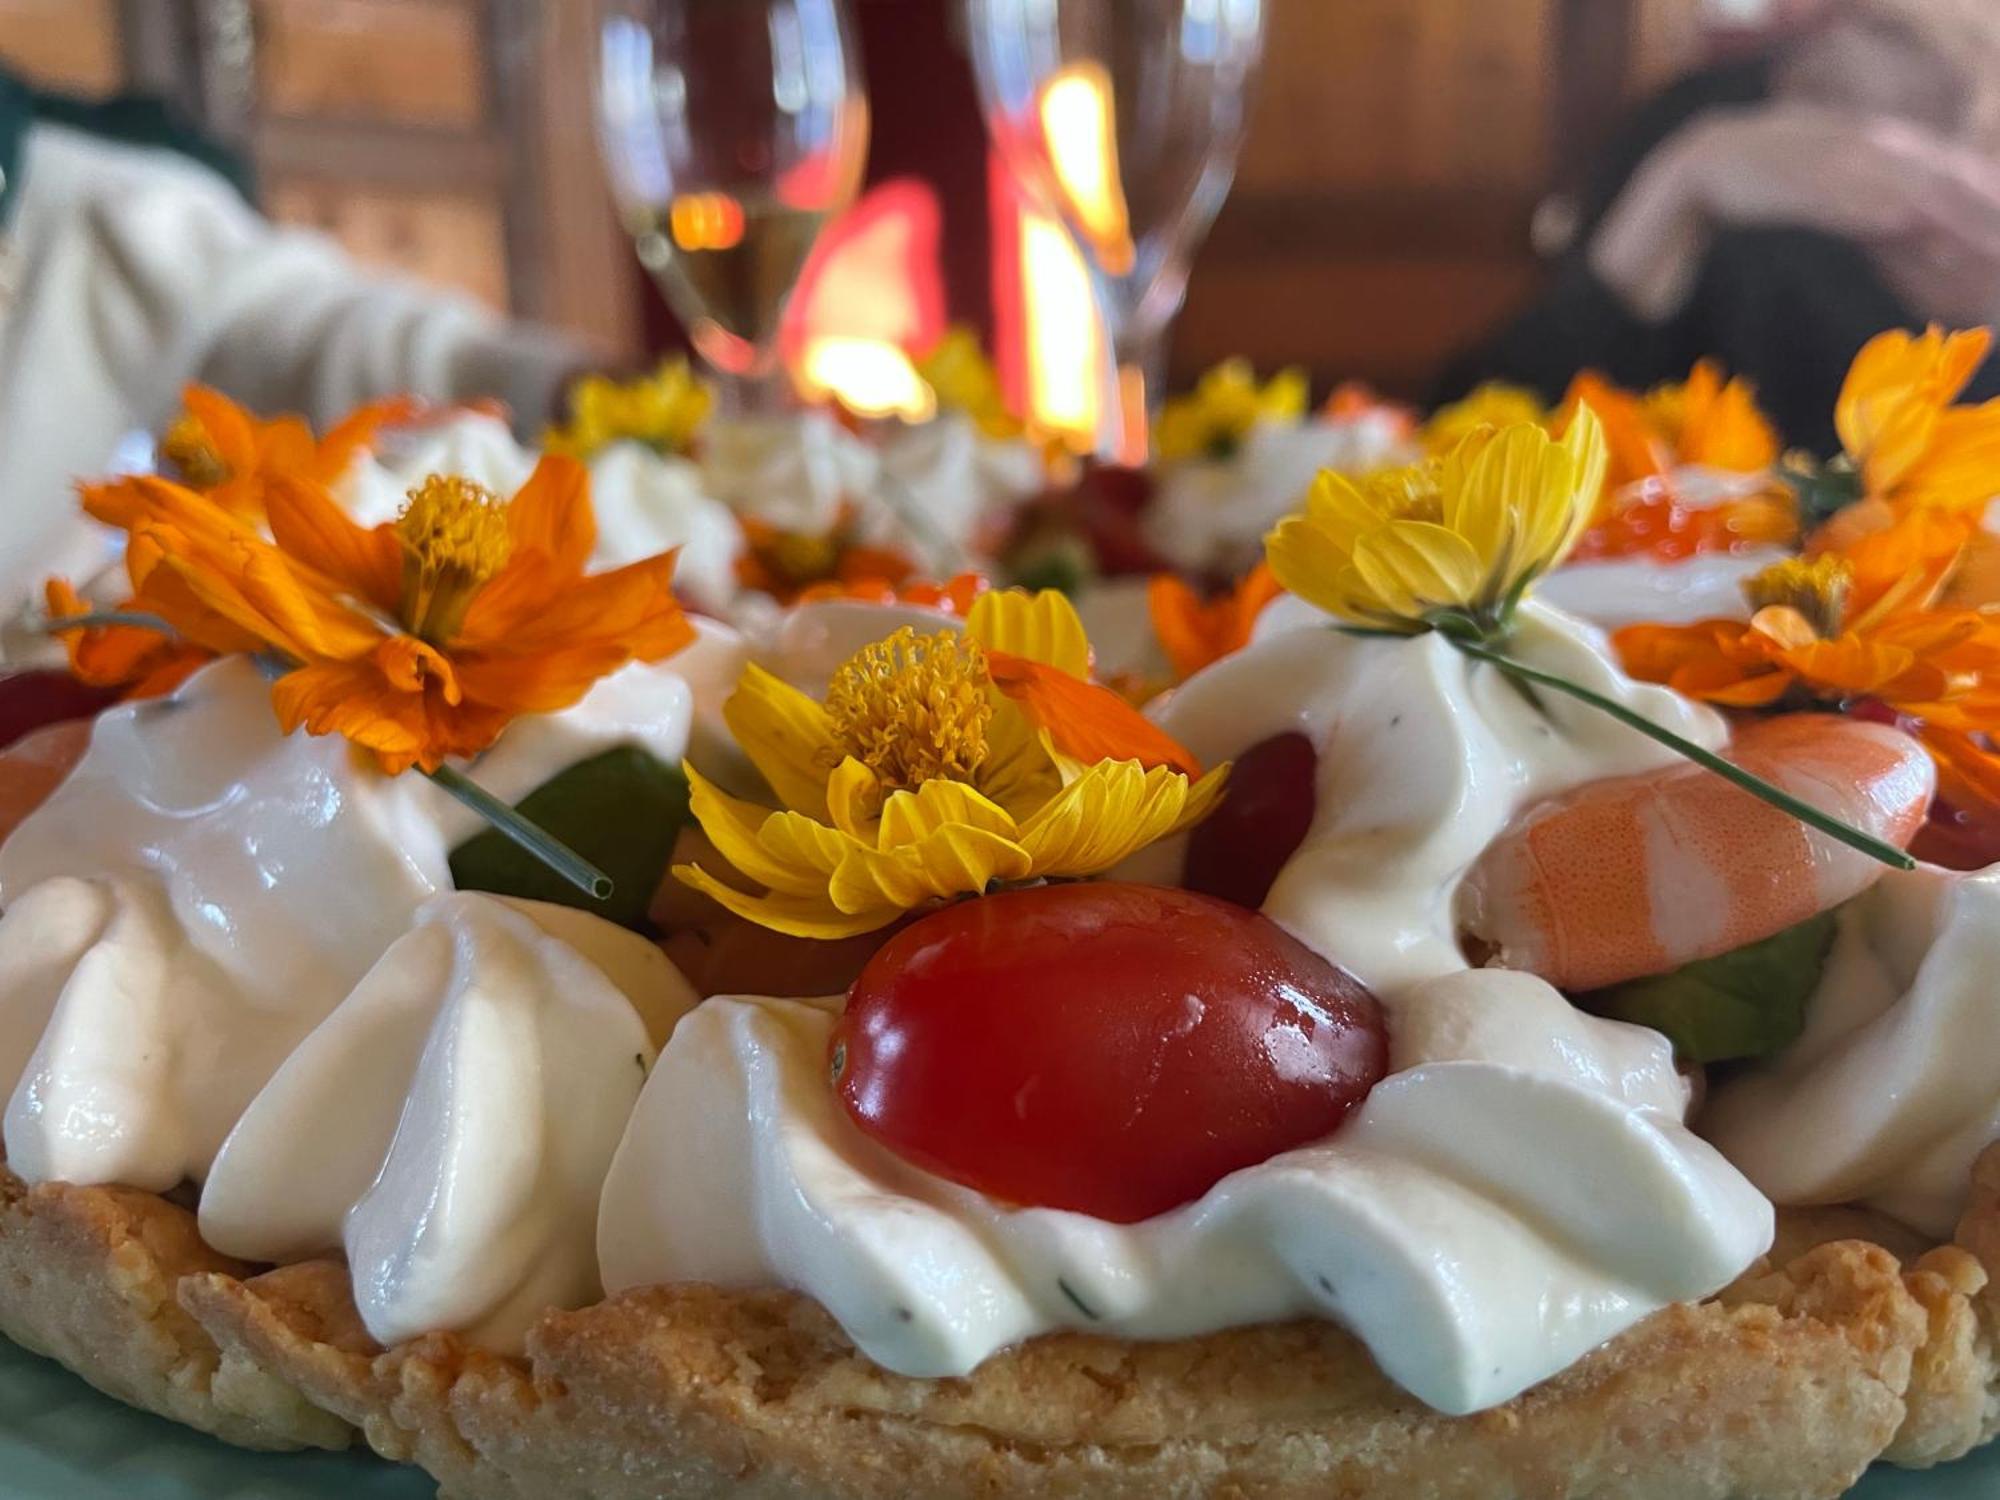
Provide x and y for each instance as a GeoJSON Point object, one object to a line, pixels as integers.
{"type": "Point", "coordinates": [1125, 117]}
{"type": "Point", "coordinates": [732, 131]}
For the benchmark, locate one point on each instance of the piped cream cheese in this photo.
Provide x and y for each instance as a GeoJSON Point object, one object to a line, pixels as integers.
{"type": "Point", "coordinates": [448, 1126]}
{"type": "Point", "coordinates": [1891, 1092]}
{"type": "Point", "coordinates": [1520, 1190]}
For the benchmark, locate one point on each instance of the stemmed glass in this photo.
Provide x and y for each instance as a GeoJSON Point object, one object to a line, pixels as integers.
{"type": "Point", "coordinates": [1124, 117]}
{"type": "Point", "coordinates": [732, 131]}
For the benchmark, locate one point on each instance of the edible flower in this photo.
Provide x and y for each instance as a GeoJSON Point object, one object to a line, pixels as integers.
{"type": "Point", "coordinates": [792, 565]}
{"type": "Point", "coordinates": [1196, 632]}
{"type": "Point", "coordinates": [118, 650]}
{"type": "Point", "coordinates": [420, 639]}
{"type": "Point", "coordinates": [1452, 543]}
{"type": "Point", "coordinates": [1706, 422]}
{"type": "Point", "coordinates": [937, 766]}
{"type": "Point", "coordinates": [1212, 420]}
{"type": "Point", "coordinates": [964, 379]}
{"type": "Point", "coordinates": [1904, 437]}
{"type": "Point", "coordinates": [664, 411]}
{"type": "Point", "coordinates": [1494, 404]}
{"type": "Point", "coordinates": [953, 596]}
{"type": "Point", "coordinates": [225, 453]}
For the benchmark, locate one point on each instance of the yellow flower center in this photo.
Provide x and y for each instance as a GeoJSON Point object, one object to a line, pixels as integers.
{"type": "Point", "coordinates": [454, 536]}
{"type": "Point", "coordinates": [188, 448]}
{"type": "Point", "coordinates": [1411, 493]}
{"type": "Point", "coordinates": [913, 708]}
{"type": "Point", "coordinates": [800, 558]}
{"type": "Point", "coordinates": [1815, 588]}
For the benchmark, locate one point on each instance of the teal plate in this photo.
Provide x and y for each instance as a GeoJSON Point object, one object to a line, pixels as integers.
{"type": "Point", "coordinates": [61, 1440]}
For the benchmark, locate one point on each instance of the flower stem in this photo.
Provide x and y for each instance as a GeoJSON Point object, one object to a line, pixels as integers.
{"type": "Point", "coordinates": [1785, 802]}
{"type": "Point", "coordinates": [99, 619]}
{"type": "Point", "coordinates": [538, 841]}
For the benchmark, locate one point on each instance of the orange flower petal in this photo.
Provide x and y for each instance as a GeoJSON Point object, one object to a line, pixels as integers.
{"type": "Point", "coordinates": [306, 522]}
{"type": "Point", "coordinates": [551, 517]}
{"type": "Point", "coordinates": [1083, 720]}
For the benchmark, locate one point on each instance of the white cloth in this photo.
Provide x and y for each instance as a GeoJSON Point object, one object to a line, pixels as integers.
{"type": "Point", "coordinates": [139, 270]}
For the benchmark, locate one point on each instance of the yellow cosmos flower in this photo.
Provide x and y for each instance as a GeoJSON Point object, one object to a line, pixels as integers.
{"type": "Point", "coordinates": [1495, 404]}
{"type": "Point", "coordinates": [963, 379]}
{"type": "Point", "coordinates": [936, 767]}
{"type": "Point", "coordinates": [1897, 422]}
{"type": "Point", "coordinates": [1214, 418]}
{"type": "Point", "coordinates": [1453, 543]}
{"type": "Point", "coordinates": [663, 410]}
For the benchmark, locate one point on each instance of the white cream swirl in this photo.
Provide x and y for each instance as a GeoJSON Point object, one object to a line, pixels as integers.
{"type": "Point", "coordinates": [1517, 1192]}
{"type": "Point", "coordinates": [449, 1125]}
{"type": "Point", "coordinates": [1210, 515]}
{"type": "Point", "coordinates": [946, 487]}
{"type": "Point", "coordinates": [1520, 1189]}
{"type": "Point", "coordinates": [1892, 1091]}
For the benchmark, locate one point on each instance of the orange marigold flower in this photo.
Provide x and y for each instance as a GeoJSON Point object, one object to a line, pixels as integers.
{"type": "Point", "coordinates": [420, 639]}
{"type": "Point", "coordinates": [221, 450]}
{"type": "Point", "coordinates": [1195, 632]}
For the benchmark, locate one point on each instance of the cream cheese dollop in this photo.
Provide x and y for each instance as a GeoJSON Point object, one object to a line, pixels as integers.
{"type": "Point", "coordinates": [1520, 1190]}
{"type": "Point", "coordinates": [947, 488]}
{"type": "Point", "coordinates": [793, 470]}
{"type": "Point", "coordinates": [1643, 590]}
{"type": "Point", "coordinates": [448, 1126]}
{"type": "Point", "coordinates": [1209, 516]}
{"type": "Point", "coordinates": [1891, 1092]}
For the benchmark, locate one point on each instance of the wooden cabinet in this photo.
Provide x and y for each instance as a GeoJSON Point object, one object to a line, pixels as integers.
{"type": "Point", "coordinates": [1397, 154]}
{"type": "Point", "coordinates": [449, 140]}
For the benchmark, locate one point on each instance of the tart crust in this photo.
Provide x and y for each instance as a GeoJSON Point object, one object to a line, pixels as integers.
{"type": "Point", "coordinates": [1853, 1341]}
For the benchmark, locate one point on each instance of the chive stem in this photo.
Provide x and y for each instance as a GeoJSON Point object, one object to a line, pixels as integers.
{"type": "Point", "coordinates": [100, 619]}
{"type": "Point", "coordinates": [538, 841]}
{"type": "Point", "coordinates": [1785, 802]}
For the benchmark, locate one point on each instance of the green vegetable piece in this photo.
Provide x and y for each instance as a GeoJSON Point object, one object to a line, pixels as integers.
{"type": "Point", "coordinates": [1746, 1004]}
{"type": "Point", "coordinates": [621, 810]}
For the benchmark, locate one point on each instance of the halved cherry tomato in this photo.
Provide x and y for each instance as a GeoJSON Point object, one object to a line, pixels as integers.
{"type": "Point", "coordinates": [1107, 1048]}
{"type": "Point", "coordinates": [31, 699]}
{"type": "Point", "coordinates": [1237, 851]}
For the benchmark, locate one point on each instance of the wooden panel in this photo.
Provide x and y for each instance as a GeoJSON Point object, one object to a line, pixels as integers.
{"type": "Point", "coordinates": [1394, 92]}
{"type": "Point", "coordinates": [1393, 320]}
{"type": "Point", "coordinates": [70, 44]}
{"type": "Point", "coordinates": [439, 237]}
{"type": "Point", "coordinates": [408, 62]}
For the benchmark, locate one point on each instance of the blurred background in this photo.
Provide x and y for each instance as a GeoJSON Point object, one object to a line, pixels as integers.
{"type": "Point", "coordinates": [1400, 189]}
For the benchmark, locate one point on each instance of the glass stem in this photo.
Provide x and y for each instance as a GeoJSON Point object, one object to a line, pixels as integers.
{"type": "Point", "coordinates": [1139, 374]}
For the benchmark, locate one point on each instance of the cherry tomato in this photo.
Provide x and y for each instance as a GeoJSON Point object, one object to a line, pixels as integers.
{"type": "Point", "coordinates": [1238, 850]}
{"type": "Point", "coordinates": [1108, 1048]}
{"type": "Point", "coordinates": [29, 700]}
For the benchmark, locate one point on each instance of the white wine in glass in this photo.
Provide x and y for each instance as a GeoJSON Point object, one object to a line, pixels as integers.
{"type": "Point", "coordinates": [732, 131]}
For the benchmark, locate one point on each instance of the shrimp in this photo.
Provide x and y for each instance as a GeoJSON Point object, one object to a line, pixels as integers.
{"type": "Point", "coordinates": [1638, 875]}
{"type": "Point", "coordinates": [35, 765]}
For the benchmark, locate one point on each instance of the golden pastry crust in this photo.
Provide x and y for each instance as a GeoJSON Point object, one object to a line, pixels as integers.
{"type": "Point", "coordinates": [1854, 1341]}
{"type": "Point", "coordinates": [88, 1276]}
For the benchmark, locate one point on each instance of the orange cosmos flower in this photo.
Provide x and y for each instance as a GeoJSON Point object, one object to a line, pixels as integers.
{"type": "Point", "coordinates": [221, 450]}
{"type": "Point", "coordinates": [1705, 422]}
{"type": "Point", "coordinates": [420, 639]}
{"type": "Point", "coordinates": [142, 663]}
{"type": "Point", "coordinates": [1896, 420]}
{"type": "Point", "coordinates": [785, 564]}
{"type": "Point", "coordinates": [1194, 632]}
{"type": "Point", "coordinates": [952, 597]}
{"type": "Point", "coordinates": [1858, 623]}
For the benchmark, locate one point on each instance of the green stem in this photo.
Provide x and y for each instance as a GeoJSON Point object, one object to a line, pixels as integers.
{"type": "Point", "coordinates": [538, 841]}
{"type": "Point", "coordinates": [99, 619]}
{"type": "Point", "coordinates": [1756, 786]}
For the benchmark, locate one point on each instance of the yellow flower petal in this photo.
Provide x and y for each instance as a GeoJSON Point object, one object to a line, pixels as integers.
{"type": "Point", "coordinates": [953, 861]}
{"type": "Point", "coordinates": [787, 736]}
{"type": "Point", "coordinates": [1042, 627]}
{"type": "Point", "coordinates": [799, 916]}
{"type": "Point", "coordinates": [854, 800]}
{"type": "Point", "coordinates": [909, 817]}
{"type": "Point", "coordinates": [736, 829]}
{"type": "Point", "coordinates": [1110, 812]}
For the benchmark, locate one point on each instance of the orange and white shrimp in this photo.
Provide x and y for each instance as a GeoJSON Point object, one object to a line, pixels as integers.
{"type": "Point", "coordinates": [35, 765]}
{"type": "Point", "coordinates": [1638, 875]}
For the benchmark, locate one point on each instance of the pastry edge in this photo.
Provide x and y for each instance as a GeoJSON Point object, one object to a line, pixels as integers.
{"type": "Point", "coordinates": [1832, 1353]}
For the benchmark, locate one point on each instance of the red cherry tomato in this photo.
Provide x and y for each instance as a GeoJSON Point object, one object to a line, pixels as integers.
{"type": "Point", "coordinates": [1237, 851]}
{"type": "Point", "coordinates": [1107, 1048]}
{"type": "Point", "coordinates": [29, 700]}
